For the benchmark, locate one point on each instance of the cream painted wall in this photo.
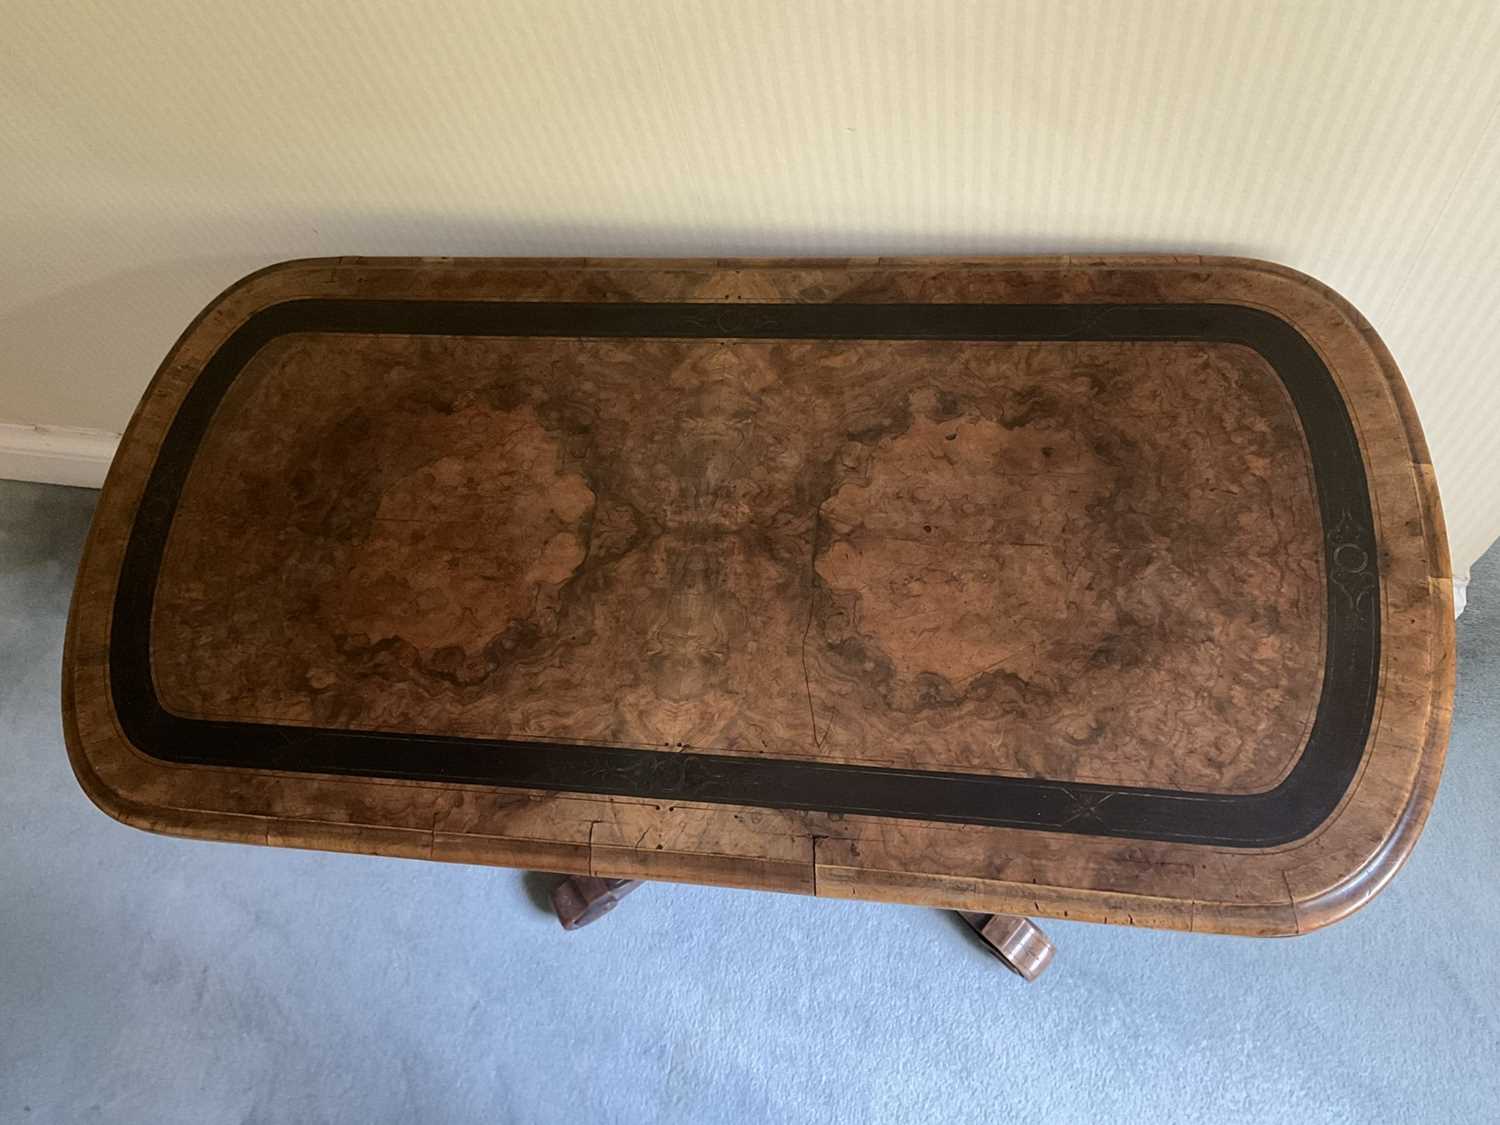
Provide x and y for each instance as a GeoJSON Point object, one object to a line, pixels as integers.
{"type": "Point", "coordinates": [154, 151]}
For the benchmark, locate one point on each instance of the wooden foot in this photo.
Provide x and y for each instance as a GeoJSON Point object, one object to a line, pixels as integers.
{"type": "Point", "coordinates": [582, 899]}
{"type": "Point", "coordinates": [1018, 942]}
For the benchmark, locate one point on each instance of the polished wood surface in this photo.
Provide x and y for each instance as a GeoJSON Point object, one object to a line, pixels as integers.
{"type": "Point", "coordinates": [761, 548]}
{"type": "Point", "coordinates": [1097, 567]}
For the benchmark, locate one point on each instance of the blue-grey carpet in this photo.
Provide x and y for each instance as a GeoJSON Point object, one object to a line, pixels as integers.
{"type": "Point", "coordinates": [151, 980]}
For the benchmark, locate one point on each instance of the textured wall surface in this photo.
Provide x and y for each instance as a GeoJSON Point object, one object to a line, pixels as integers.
{"type": "Point", "coordinates": [151, 981]}
{"type": "Point", "coordinates": [155, 151]}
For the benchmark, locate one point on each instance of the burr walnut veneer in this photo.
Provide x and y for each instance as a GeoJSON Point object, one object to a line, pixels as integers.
{"type": "Point", "coordinates": [1112, 588]}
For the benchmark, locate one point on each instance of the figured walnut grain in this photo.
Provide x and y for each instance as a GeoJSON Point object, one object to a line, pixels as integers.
{"type": "Point", "coordinates": [1091, 562]}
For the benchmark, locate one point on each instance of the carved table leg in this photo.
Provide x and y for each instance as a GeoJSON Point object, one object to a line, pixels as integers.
{"type": "Point", "coordinates": [1018, 942]}
{"type": "Point", "coordinates": [582, 899]}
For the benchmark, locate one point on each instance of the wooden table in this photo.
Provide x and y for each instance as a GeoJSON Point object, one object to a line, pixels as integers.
{"type": "Point", "coordinates": [1111, 589]}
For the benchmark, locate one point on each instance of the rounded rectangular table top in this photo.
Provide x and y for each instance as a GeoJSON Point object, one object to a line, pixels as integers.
{"type": "Point", "coordinates": [1101, 588]}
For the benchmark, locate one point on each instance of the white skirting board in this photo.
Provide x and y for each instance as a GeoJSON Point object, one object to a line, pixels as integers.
{"type": "Point", "coordinates": [55, 454]}
{"type": "Point", "coordinates": [63, 455]}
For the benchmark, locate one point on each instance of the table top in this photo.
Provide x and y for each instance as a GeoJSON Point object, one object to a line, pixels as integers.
{"type": "Point", "coordinates": [1110, 588]}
